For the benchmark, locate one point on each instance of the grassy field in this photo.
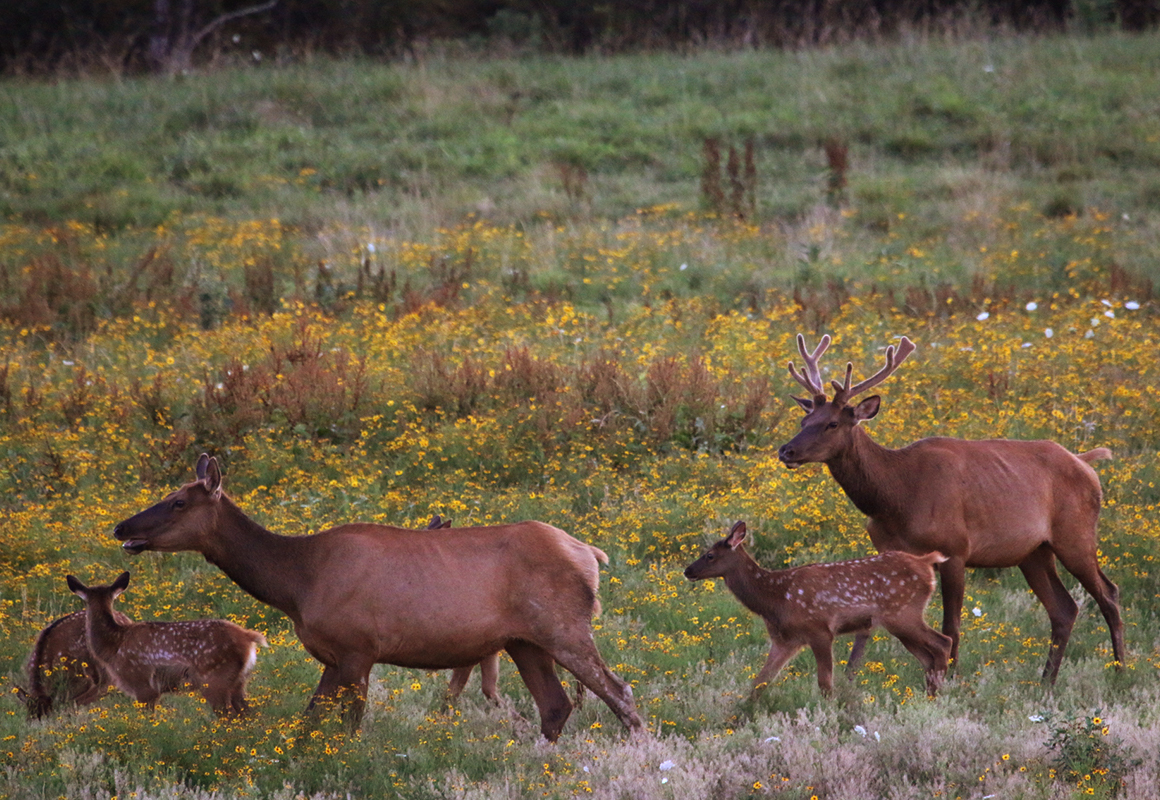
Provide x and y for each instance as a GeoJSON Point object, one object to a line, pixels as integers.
{"type": "Point", "coordinates": [498, 290]}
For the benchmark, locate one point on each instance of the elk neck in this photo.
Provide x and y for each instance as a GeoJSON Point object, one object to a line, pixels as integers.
{"type": "Point", "coordinates": [272, 568]}
{"type": "Point", "coordinates": [871, 475]}
{"type": "Point", "coordinates": [755, 587]}
{"type": "Point", "coordinates": [103, 633]}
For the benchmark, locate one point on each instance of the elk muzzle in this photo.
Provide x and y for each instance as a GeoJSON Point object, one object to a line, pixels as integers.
{"type": "Point", "coordinates": [788, 455]}
{"type": "Point", "coordinates": [132, 546]}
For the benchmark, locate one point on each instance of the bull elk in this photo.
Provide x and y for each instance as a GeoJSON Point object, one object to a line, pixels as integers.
{"type": "Point", "coordinates": [148, 659]}
{"type": "Point", "coordinates": [983, 503]}
{"type": "Point", "coordinates": [362, 594]}
{"type": "Point", "coordinates": [808, 606]}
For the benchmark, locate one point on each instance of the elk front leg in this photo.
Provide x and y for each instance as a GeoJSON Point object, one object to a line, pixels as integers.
{"type": "Point", "coordinates": [459, 678]}
{"type": "Point", "coordinates": [779, 655]}
{"type": "Point", "coordinates": [1039, 570]}
{"type": "Point", "coordinates": [489, 677]}
{"type": "Point", "coordinates": [344, 684]}
{"type": "Point", "coordinates": [538, 670]}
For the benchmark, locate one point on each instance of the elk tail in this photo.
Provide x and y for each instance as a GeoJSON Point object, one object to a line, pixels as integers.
{"type": "Point", "coordinates": [1099, 454]}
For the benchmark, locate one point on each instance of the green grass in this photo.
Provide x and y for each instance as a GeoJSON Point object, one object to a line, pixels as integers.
{"type": "Point", "coordinates": [1048, 120]}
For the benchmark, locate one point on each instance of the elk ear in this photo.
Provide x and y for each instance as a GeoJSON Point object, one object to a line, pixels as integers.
{"type": "Point", "coordinates": [122, 582]}
{"type": "Point", "coordinates": [736, 535]}
{"type": "Point", "coordinates": [202, 463]}
{"type": "Point", "coordinates": [806, 405]}
{"type": "Point", "coordinates": [867, 409]}
{"type": "Point", "coordinates": [75, 586]}
{"type": "Point", "coordinates": [213, 479]}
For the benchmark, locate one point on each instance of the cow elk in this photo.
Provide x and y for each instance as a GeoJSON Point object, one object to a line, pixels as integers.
{"type": "Point", "coordinates": [363, 594]}
{"type": "Point", "coordinates": [808, 606]}
{"type": "Point", "coordinates": [488, 667]}
{"type": "Point", "coordinates": [142, 658]}
{"type": "Point", "coordinates": [983, 503]}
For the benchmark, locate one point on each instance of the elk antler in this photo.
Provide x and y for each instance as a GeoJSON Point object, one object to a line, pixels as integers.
{"type": "Point", "coordinates": [844, 391]}
{"type": "Point", "coordinates": [810, 377]}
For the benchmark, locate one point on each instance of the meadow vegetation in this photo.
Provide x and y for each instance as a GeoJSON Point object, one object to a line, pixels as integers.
{"type": "Point", "coordinates": [496, 290]}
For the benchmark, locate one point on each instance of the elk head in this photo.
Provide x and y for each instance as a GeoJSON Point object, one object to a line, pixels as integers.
{"type": "Point", "coordinates": [720, 558]}
{"type": "Point", "coordinates": [105, 594]}
{"type": "Point", "coordinates": [828, 426]}
{"type": "Point", "coordinates": [180, 520]}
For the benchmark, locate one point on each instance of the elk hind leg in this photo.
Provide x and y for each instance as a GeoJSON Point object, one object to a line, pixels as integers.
{"type": "Point", "coordinates": [822, 646]}
{"type": "Point", "coordinates": [538, 671]}
{"type": "Point", "coordinates": [856, 651]}
{"type": "Point", "coordinates": [580, 657]}
{"type": "Point", "coordinates": [218, 689]}
{"type": "Point", "coordinates": [931, 648]}
{"type": "Point", "coordinates": [1039, 571]}
{"type": "Point", "coordinates": [1087, 571]}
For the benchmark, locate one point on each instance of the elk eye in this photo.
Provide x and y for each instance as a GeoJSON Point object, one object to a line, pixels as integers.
{"type": "Point", "coordinates": [178, 503]}
{"type": "Point", "coordinates": [709, 556]}
{"type": "Point", "coordinates": [831, 426]}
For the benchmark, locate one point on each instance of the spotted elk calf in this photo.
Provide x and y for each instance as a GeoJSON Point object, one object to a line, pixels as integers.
{"type": "Point", "coordinates": [141, 658]}
{"type": "Point", "coordinates": [60, 670]}
{"type": "Point", "coordinates": [808, 606]}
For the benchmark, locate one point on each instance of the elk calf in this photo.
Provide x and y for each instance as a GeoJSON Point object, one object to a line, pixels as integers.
{"type": "Point", "coordinates": [142, 658]}
{"type": "Point", "coordinates": [60, 670]}
{"type": "Point", "coordinates": [810, 605]}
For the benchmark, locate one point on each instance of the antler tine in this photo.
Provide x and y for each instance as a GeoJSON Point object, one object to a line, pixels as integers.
{"type": "Point", "coordinates": [894, 358]}
{"type": "Point", "coordinates": [840, 388]}
{"type": "Point", "coordinates": [810, 377]}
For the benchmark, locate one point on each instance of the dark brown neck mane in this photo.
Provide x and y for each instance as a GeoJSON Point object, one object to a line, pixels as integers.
{"type": "Point", "coordinates": [866, 475]}
{"type": "Point", "coordinates": [272, 568]}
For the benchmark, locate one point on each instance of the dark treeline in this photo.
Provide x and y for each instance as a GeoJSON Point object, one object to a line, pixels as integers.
{"type": "Point", "coordinates": [39, 36]}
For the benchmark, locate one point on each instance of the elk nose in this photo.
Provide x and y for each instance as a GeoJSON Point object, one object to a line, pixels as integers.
{"type": "Point", "coordinates": [119, 531]}
{"type": "Point", "coordinates": [785, 452]}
